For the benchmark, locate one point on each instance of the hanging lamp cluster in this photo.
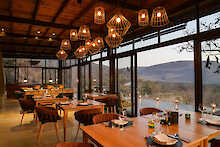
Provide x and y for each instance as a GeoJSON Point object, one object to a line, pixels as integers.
{"type": "Point", "coordinates": [117, 26]}
{"type": "Point", "coordinates": [159, 17]}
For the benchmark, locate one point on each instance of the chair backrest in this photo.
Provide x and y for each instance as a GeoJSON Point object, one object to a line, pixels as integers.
{"type": "Point", "coordinates": [27, 104]}
{"type": "Point", "coordinates": [85, 116]}
{"type": "Point", "coordinates": [47, 114]}
{"type": "Point", "coordinates": [104, 117]}
{"type": "Point", "coordinates": [146, 111]}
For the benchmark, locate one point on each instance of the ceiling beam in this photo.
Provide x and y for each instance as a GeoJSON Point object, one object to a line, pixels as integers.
{"type": "Point", "coordinates": [121, 4]}
{"type": "Point", "coordinates": [34, 22]}
{"type": "Point", "coordinates": [34, 14]}
{"type": "Point", "coordinates": [16, 35]}
{"type": "Point", "coordinates": [60, 10]}
{"type": "Point", "coordinates": [80, 15]}
{"type": "Point", "coordinates": [24, 44]}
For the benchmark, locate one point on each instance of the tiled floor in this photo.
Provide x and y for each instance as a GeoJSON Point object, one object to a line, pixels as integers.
{"type": "Point", "coordinates": [12, 134]}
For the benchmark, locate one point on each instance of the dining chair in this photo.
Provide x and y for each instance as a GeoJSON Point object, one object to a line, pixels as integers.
{"type": "Point", "coordinates": [215, 143]}
{"type": "Point", "coordinates": [104, 117]}
{"type": "Point", "coordinates": [149, 110]}
{"type": "Point", "coordinates": [46, 115]}
{"type": "Point", "coordinates": [73, 144]}
{"type": "Point", "coordinates": [85, 117]}
{"type": "Point", "coordinates": [27, 106]}
{"type": "Point", "coordinates": [111, 102]}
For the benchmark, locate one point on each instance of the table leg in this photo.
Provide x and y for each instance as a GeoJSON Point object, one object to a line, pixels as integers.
{"type": "Point", "coordinates": [85, 137]}
{"type": "Point", "coordinates": [64, 124]}
{"type": "Point", "coordinates": [103, 109]}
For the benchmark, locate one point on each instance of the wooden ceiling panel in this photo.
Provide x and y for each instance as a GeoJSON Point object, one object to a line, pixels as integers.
{"type": "Point", "coordinates": [20, 28]}
{"type": "Point", "coordinates": [22, 8]}
{"type": "Point", "coordinates": [37, 28]}
{"type": "Point", "coordinates": [4, 7]}
{"type": "Point", "coordinates": [69, 12]}
{"type": "Point", "coordinates": [48, 9]}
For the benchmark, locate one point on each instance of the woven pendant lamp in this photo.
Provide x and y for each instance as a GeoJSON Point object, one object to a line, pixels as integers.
{"type": "Point", "coordinates": [113, 39]}
{"type": "Point", "coordinates": [65, 45]}
{"type": "Point", "coordinates": [2, 33]}
{"type": "Point", "coordinates": [119, 23]}
{"type": "Point", "coordinates": [99, 41]}
{"type": "Point", "coordinates": [99, 15]}
{"type": "Point", "coordinates": [61, 55]}
{"type": "Point", "coordinates": [94, 48]}
{"type": "Point", "coordinates": [88, 44]}
{"type": "Point", "coordinates": [84, 33]}
{"type": "Point", "coordinates": [73, 35]}
{"type": "Point", "coordinates": [143, 17]}
{"type": "Point", "coordinates": [159, 17]}
{"type": "Point", "coordinates": [80, 52]}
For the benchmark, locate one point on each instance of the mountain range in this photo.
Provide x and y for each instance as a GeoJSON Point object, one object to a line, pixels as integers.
{"type": "Point", "coordinates": [178, 72]}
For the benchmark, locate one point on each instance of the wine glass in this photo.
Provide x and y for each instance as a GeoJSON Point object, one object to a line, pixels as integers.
{"type": "Point", "coordinates": [157, 123]}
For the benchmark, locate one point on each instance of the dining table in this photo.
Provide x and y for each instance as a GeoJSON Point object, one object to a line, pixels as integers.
{"type": "Point", "coordinates": [99, 96]}
{"type": "Point", "coordinates": [135, 135]}
{"type": "Point", "coordinates": [75, 106]}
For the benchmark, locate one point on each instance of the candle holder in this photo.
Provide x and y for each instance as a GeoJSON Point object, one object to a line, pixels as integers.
{"type": "Point", "coordinates": [213, 108]}
{"type": "Point", "coordinates": [177, 105]}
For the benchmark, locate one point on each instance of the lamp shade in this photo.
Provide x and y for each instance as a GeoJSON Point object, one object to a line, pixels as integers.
{"type": "Point", "coordinates": [80, 52]}
{"type": "Point", "coordinates": [143, 17]}
{"type": "Point", "coordinates": [94, 48]}
{"type": "Point", "coordinates": [61, 54]}
{"type": "Point", "coordinates": [119, 23]}
{"type": "Point", "coordinates": [25, 80]}
{"type": "Point", "coordinates": [99, 15]}
{"type": "Point", "coordinates": [65, 45]}
{"type": "Point", "coordinates": [2, 33]}
{"type": "Point", "coordinates": [113, 39]}
{"type": "Point", "coordinates": [84, 33]}
{"type": "Point", "coordinates": [159, 17]}
{"type": "Point", "coordinates": [99, 41]}
{"type": "Point", "coordinates": [73, 35]}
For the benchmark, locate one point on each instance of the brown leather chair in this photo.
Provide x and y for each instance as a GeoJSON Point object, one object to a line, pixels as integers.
{"type": "Point", "coordinates": [146, 111]}
{"type": "Point", "coordinates": [215, 143]}
{"type": "Point", "coordinates": [111, 102]}
{"type": "Point", "coordinates": [27, 106]}
{"type": "Point", "coordinates": [45, 115]}
{"type": "Point", "coordinates": [85, 117]}
{"type": "Point", "coordinates": [73, 144]}
{"type": "Point", "coordinates": [104, 117]}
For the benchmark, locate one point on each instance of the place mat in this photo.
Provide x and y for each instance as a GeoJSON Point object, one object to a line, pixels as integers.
{"type": "Point", "coordinates": [110, 124]}
{"type": "Point", "coordinates": [203, 122]}
{"type": "Point", "coordinates": [150, 142]}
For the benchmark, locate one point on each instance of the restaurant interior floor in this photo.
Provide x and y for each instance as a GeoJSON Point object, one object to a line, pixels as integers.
{"type": "Point", "coordinates": [12, 134]}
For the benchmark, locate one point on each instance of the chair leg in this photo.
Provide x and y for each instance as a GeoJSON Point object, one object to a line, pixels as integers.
{"type": "Point", "coordinates": [107, 109]}
{"type": "Point", "coordinates": [57, 132]}
{"type": "Point", "coordinates": [40, 132]}
{"type": "Point", "coordinates": [22, 117]}
{"type": "Point", "coordinates": [115, 109]}
{"type": "Point", "coordinates": [77, 133]}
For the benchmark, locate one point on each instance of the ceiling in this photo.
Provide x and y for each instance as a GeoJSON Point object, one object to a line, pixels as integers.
{"type": "Point", "coordinates": [22, 19]}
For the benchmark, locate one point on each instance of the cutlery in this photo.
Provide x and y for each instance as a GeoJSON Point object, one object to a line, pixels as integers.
{"type": "Point", "coordinates": [176, 136]}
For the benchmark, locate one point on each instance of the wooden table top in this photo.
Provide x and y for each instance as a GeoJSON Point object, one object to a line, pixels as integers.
{"type": "Point", "coordinates": [75, 106]}
{"type": "Point", "coordinates": [134, 135]}
{"type": "Point", "coordinates": [97, 96]}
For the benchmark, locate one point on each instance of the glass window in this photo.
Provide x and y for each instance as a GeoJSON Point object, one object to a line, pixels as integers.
{"type": "Point", "coordinates": [74, 80]}
{"type": "Point", "coordinates": [124, 48]}
{"type": "Point", "coordinates": [104, 54]}
{"type": "Point", "coordinates": [95, 75]}
{"type": "Point", "coordinates": [166, 73]}
{"type": "Point", "coordinates": [105, 75]}
{"type": "Point", "coordinates": [147, 40]}
{"type": "Point", "coordinates": [9, 61]}
{"type": "Point", "coordinates": [124, 82]}
{"type": "Point", "coordinates": [51, 74]}
{"type": "Point", "coordinates": [178, 31]}
{"type": "Point", "coordinates": [37, 62]}
{"type": "Point", "coordinates": [51, 63]}
{"type": "Point", "coordinates": [35, 76]}
{"type": "Point", "coordinates": [86, 77]}
{"type": "Point", "coordinates": [210, 22]}
{"type": "Point", "coordinates": [210, 72]}
{"type": "Point", "coordinates": [10, 75]}
{"type": "Point", "coordinates": [96, 56]}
